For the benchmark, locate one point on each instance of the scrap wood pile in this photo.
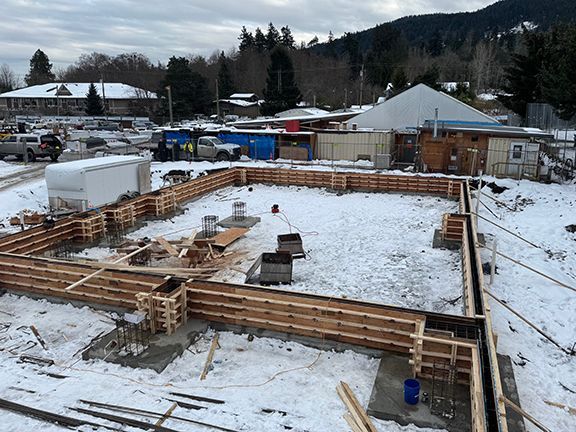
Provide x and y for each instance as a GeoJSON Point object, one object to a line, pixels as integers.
{"type": "Point", "coordinates": [186, 257]}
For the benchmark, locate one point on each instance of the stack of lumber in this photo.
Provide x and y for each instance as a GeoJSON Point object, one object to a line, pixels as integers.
{"type": "Point", "coordinates": [356, 417]}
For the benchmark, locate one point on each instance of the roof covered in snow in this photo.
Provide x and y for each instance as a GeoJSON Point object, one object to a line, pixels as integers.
{"type": "Point", "coordinates": [303, 111]}
{"type": "Point", "coordinates": [243, 96]}
{"type": "Point", "coordinates": [412, 108]}
{"type": "Point", "coordinates": [238, 102]}
{"type": "Point", "coordinates": [78, 91]}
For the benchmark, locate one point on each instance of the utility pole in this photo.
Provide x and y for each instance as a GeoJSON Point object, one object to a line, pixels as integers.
{"type": "Point", "coordinates": [169, 89]}
{"type": "Point", "coordinates": [361, 85]}
{"type": "Point", "coordinates": [217, 101]}
{"type": "Point", "coordinates": [103, 97]}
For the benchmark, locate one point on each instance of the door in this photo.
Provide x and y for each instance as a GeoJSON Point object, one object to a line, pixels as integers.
{"type": "Point", "coordinates": [206, 148]}
{"type": "Point", "coordinates": [516, 156]}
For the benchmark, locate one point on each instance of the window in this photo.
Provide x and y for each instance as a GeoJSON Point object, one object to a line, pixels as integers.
{"type": "Point", "coordinates": [517, 151]}
{"type": "Point", "coordinates": [32, 140]}
{"type": "Point", "coordinates": [474, 138]}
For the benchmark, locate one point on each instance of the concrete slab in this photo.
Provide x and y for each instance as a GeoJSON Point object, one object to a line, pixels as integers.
{"type": "Point", "coordinates": [439, 243]}
{"type": "Point", "coordinates": [387, 399]}
{"type": "Point", "coordinates": [247, 222]}
{"type": "Point", "coordinates": [162, 351]}
{"type": "Point", "coordinates": [515, 420]}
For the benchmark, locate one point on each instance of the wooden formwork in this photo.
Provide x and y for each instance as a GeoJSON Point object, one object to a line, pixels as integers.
{"type": "Point", "coordinates": [453, 226]}
{"type": "Point", "coordinates": [120, 217]}
{"type": "Point", "coordinates": [89, 227]}
{"type": "Point", "coordinates": [357, 181]}
{"type": "Point", "coordinates": [322, 317]}
{"type": "Point", "coordinates": [51, 277]}
{"type": "Point", "coordinates": [162, 203]}
{"type": "Point", "coordinates": [166, 311]}
{"type": "Point", "coordinates": [467, 275]}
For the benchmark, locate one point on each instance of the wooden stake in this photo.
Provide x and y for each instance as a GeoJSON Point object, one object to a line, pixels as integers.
{"type": "Point", "coordinates": [167, 414]}
{"type": "Point", "coordinates": [532, 269]}
{"type": "Point", "coordinates": [493, 263]}
{"type": "Point", "coordinates": [524, 414]}
{"type": "Point", "coordinates": [210, 357]}
{"type": "Point", "coordinates": [507, 230]}
{"type": "Point", "coordinates": [96, 273]}
{"type": "Point", "coordinates": [526, 321]}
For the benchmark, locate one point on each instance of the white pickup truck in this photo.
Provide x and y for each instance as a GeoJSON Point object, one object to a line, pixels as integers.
{"type": "Point", "coordinates": [47, 145]}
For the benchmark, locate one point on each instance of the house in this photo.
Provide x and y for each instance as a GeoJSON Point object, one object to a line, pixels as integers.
{"type": "Point", "coordinates": [301, 111]}
{"type": "Point", "coordinates": [467, 149]}
{"type": "Point", "coordinates": [70, 98]}
{"type": "Point", "coordinates": [240, 104]}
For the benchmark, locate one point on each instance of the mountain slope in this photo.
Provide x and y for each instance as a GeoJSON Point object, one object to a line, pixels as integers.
{"type": "Point", "coordinates": [452, 30]}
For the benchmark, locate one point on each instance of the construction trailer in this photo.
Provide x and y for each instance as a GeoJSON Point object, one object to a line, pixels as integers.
{"type": "Point", "coordinates": [89, 183]}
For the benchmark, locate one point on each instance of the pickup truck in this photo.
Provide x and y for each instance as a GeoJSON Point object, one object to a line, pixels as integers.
{"type": "Point", "coordinates": [47, 145]}
{"type": "Point", "coordinates": [168, 144]}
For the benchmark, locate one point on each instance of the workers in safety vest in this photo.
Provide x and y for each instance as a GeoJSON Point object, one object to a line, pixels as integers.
{"type": "Point", "coordinates": [188, 150]}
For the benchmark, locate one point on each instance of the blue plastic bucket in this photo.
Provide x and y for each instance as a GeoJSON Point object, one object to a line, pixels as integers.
{"type": "Point", "coordinates": [411, 391]}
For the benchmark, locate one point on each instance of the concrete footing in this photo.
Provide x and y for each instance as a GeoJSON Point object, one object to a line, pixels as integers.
{"type": "Point", "coordinates": [247, 222]}
{"type": "Point", "coordinates": [387, 399]}
{"type": "Point", "coordinates": [162, 351]}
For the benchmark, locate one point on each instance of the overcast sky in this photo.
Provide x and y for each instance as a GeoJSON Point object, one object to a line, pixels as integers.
{"type": "Point", "coordinates": [64, 29]}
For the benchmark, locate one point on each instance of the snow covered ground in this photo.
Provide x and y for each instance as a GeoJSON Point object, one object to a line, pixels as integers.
{"type": "Point", "coordinates": [542, 212]}
{"type": "Point", "coordinates": [374, 247]}
{"type": "Point", "coordinates": [249, 376]}
{"type": "Point", "coordinates": [543, 372]}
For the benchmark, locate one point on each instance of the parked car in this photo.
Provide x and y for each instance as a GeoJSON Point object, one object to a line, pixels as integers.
{"type": "Point", "coordinates": [47, 145]}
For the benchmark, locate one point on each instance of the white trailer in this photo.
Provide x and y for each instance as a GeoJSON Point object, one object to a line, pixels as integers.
{"type": "Point", "coordinates": [91, 183]}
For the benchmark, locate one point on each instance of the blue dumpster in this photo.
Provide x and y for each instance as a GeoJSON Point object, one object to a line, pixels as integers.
{"type": "Point", "coordinates": [411, 391]}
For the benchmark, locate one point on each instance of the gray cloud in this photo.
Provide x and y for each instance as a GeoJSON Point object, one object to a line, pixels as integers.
{"type": "Point", "coordinates": [64, 29]}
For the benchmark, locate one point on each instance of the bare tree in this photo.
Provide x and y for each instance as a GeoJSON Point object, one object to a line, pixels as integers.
{"type": "Point", "coordinates": [483, 65]}
{"type": "Point", "coordinates": [8, 79]}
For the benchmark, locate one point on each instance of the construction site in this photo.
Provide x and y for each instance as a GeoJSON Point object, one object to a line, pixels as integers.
{"type": "Point", "coordinates": [262, 298]}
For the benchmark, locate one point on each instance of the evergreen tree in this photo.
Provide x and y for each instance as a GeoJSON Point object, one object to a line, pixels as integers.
{"type": "Point", "coordinates": [260, 40]}
{"type": "Point", "coordinates": [40, 69]}
{"type": "Point", "coordinates": [435, 45]}
{"type": "Point", "coordinates": [281, 92]}
{"type": "Point", "coordinates": [225, 82]}
{"type": "Point", "coordinates": [558, 73]}
{"type": "Point", "coordinates": [272, 37]}
{"type": "Point", "coordinates": [286, 37]}
{"type": "Point", "coordinates": [352, 48]}
{"type": "Point", "coordinates": [463, 93]}
{"type": "Point", "coordinates": [246, 40]}
{"type": "Point", "coordinates": [190, 93]}
{"type": "Point", "coordinates": [312, 42]}
{"type": "Point", "coordinates": [399, 81]}
{"type": "Point", "coordinates": [330, 37]}
{"type": "Point", "coordinates": [94, 105]}
{"type": "Point", "coordinates": [387, 51]}
{"type": "Point", "coordinates": [524, 84]}
{"type": "Point", "coordinates": [430, 77]}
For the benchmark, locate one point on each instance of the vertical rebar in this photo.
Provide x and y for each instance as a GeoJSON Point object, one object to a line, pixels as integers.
{"type": "Point", "coordinates": [210, 226]}
{"type": "Point", "coordinates": [239, 210]}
